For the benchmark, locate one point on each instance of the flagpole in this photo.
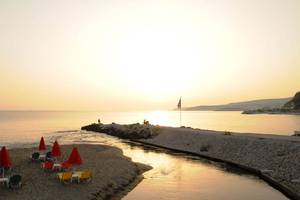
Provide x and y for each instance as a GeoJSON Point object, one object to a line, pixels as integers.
{"type": "Point", "coordinates": [180, 111]}
{"type": "Point", "coordinates": [180, 116]}
{"type": "Point", "coordinates": [179, 107]}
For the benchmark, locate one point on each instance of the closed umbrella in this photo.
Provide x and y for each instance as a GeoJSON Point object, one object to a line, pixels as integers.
{"type": "Point", "coordinates": [5, 161]}
{"type": "Point", "coordinates": [55, 152]}
{"type": "Point", "coordinates": [75, 158]}
{"type": "Point", "coordinates": [42, 146]}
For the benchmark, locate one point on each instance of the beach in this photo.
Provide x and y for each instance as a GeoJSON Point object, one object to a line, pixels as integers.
{"type": "Point", "coordinates": [113, 175]}
{"type": "Point", "coordinates": [273, 158]}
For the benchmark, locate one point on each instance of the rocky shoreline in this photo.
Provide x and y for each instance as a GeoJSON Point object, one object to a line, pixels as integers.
{"type": "Point", "coordinates": [271, 111]}
{"type": "Point", "coordinates": [130, 131]}
{"type": "Point", "coordinates": [276, 159]}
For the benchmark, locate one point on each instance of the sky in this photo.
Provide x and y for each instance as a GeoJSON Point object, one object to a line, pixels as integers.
{"type": "Point", "coordinates": [119, 55]}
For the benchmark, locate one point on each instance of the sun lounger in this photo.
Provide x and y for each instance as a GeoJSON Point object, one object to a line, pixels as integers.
{"type": "Point", "coordinates": [65, 177]}
{"type": "Point", "coordinates": [82, 176]}
{"type": "Point", "coordinates": [85, 176]}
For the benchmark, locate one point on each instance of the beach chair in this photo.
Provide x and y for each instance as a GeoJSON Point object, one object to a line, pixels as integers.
{"type": "Point", "coordinates": [35, 156]}
{"type": "Point", "coordinates": [65, 177]}
{"type": "Point", "coordinates": [15, 181]}
{"type": "Point", "coordinates": [47, 165]}
{"type": "Point", "coordinates": [85, 176]}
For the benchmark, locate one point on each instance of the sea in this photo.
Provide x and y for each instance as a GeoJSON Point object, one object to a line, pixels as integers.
{"type": "Point", "coordinates": [19, 127]}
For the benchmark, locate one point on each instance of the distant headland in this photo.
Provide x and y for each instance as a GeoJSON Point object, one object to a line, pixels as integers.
{"type": "Point", "coordinates": [241, 106]}
{"type": "Point", "coordinates": [290, 107]}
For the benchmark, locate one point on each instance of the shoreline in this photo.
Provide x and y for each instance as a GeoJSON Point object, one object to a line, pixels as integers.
{"type": "Point", "coordinates": [113, 175]}
{"type": "Point", "coordinates": [273, 158]}
{"type": "Point", "coordinates": [255, 112]}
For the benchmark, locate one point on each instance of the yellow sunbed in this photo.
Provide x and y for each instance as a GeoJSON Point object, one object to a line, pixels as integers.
{"type": "Point", "coordinates": [65, 177]}
{"type": "Point", "coordinates": [84, 175]}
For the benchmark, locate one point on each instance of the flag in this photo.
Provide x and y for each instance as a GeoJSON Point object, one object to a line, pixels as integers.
{"type": "Point", "coordinates": [179, 104]}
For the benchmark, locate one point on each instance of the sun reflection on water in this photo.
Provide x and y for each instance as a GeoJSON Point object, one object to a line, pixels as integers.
{"type": "Point", "coordinates": [158, 117]}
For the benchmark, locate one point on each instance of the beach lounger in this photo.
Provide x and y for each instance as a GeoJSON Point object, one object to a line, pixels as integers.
{"type": "Point", "coordinates": [65, 177]}
{"type": "Point", "coordinates": [85, 176]}
{"type": "Point", "coordinates": [15, 181]}
{"type": "Point", "coordinates": [82, 176]}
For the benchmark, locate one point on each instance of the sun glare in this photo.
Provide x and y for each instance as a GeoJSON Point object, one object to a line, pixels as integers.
{"type": "Point", "coordinates": [155, 64]}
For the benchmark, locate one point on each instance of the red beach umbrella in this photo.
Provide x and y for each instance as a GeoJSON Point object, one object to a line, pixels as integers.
{"type": "Point", "coordinates": [75, 158]}
{"type": "Point", "coordinates": [42, 145]}
{"type": "Point", "coordinates": [56, 152]}
{"type": "Point", "coordinates": [4, 158]}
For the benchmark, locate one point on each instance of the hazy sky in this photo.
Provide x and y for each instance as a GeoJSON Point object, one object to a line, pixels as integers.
{"type": "Point", "coordinates": [145, 54]}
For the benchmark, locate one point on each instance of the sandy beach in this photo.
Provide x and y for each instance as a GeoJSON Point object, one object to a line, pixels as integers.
{"type": "Point", "coordinates": [113, 175]}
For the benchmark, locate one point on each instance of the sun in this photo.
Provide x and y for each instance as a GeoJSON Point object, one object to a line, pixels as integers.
{"type": "Point", "coordinates": [156, 64]}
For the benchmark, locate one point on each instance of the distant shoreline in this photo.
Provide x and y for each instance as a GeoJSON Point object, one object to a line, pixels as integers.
{"type": "Point", "coordinates": [261, 111]}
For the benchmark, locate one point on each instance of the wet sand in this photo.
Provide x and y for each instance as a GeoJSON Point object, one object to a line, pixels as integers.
{"type": "Point", "coordinates": [113, 175]}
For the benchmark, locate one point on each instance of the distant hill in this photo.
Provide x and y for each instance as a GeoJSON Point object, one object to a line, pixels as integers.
{"type": "Point", "coordinates": [244, 105]}
{"type": "Point", "coordinates": [294, 103]}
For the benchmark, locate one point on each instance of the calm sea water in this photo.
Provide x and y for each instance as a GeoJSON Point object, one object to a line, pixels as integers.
{"type": "Point", "coordinates": [20, 127]}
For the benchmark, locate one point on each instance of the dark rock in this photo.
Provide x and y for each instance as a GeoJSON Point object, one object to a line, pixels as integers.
{"type": "Point", "coordinates": [294, 103]}
{"type": "Point", "coordinates": [132, 131]}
